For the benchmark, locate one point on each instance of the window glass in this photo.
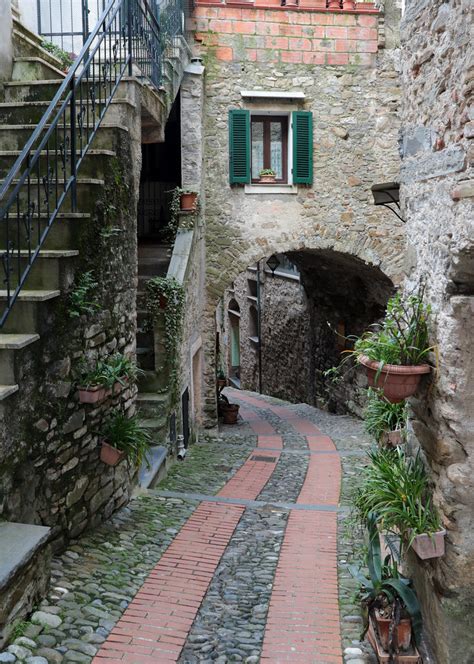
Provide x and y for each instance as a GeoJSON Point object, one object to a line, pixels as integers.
{"type": "Point", "coordinates": [257, 149]}
{"type": "Point", "coordinates": [276, 148]}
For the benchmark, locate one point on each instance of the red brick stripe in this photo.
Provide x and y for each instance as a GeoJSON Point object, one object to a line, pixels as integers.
{"type": "Point", "coordinates": [269, 440]}
{"type": "Point", "coordinates": [156, 623]}
{"type": "Point", "coordinates": [249, 480]}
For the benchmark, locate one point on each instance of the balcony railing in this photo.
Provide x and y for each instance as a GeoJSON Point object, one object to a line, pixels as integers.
{"type": "Point", "coordinates": [44, 178]}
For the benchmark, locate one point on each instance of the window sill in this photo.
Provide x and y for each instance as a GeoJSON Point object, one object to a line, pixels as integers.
{"type": "Point", "coordinates": [271, 189]}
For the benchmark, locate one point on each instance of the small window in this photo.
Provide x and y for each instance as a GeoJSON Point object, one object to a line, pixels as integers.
{"type": "Point", "coordinates": [269, 140]}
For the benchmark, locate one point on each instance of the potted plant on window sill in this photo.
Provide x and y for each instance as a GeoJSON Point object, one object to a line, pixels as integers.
{"type": "Point", "coordinates": [385, 421]}
{"type": "Point", "coordinates": [122, 436]}
{"type": "Point", "coordinates": [267, 175]}
{"type": "Point", "coordinates": [393, 353]}
{"type": "Point", "coordinates": [389, 601]}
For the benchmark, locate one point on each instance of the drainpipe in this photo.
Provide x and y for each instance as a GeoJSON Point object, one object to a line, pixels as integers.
{"type": "Point", "coordinates": [259, 330]}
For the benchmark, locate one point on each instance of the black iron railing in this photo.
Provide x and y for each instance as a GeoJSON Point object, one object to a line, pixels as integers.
{"type": "Point", "coordinates": [44, 177]}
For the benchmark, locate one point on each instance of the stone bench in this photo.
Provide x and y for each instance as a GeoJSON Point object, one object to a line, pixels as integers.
{"type": "Point", "coordinates": [25, 567]}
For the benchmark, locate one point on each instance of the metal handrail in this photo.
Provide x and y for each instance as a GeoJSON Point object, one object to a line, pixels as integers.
{"type": "Point", "coordinates": [126, 34]}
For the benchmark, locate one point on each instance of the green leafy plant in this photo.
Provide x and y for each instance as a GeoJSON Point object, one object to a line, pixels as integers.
{"type": "Point", "coordinates": [165, 297]}
{"type": "Point", "coordinates": [395, 490]}
{"type": "Point", "coordinates": [81, 297]}
{"type": "Point", "coordinates": [127, 435]}
{"type": "Point", "coordinates": [117, 368]}
{"type": "Point", "coordinates": [267, 171]}
{"type": "Point", "coordinates": [385, 588]}
{"type": "Point", "coordinates": [380, 415]}
{"type": "Point", "coordinates": [63, 56]}
{"type": "Point", "coordinates": [402, 337]}
{"type": "Point", "coordinates": [168, 233]}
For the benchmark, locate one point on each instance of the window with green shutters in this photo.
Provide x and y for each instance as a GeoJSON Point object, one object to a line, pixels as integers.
{"type": "Point", "coordinates": [302, 147]}
{"type": "Point", "coordinates": [240, 147]}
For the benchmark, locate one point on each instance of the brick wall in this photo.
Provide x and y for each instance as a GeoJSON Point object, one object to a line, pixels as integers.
{"type": "Point", "coordinates": [287, 35]}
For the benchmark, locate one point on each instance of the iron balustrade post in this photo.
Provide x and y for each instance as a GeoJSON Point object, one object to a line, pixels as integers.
{"type": "Point", "coordinates": [129, 20]}
{"type": "Point", "coordinates": [85, 21]}
{"type": "Point", "coordinates": [72, 113]}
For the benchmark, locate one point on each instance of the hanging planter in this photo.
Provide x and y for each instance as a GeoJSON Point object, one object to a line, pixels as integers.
{"type": "Point", "coordinates": [188, 201]}
{"type": "Point", "coordinates": [110, 455]}
{"type": "Point", "coordinates": [397, 382]}
{"type": "Point", "coordinates": [429, 545]}
{"type": "Point", "coordinates": [92, 394]}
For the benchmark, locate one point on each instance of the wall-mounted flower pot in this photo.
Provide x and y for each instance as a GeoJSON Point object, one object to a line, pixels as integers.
{"type": "Point", "coordinates": [392, 438]}
{"type": "Point", "coordinates": [290, 3]}
{"type": "Point", "coordinates": [188, 201]}
{"type": "Point", "coordinates": [349, 5]}
{"type": "Point", "coordinates": [230, 413]}
{"type": "Point", "coordinates": [110, 455]}
{"type": "Point", "coordinates": [429, 546]}
{"type": "Point", "coordinates": [402, 632]}
{"type": "Point", "coordinates": [398, 382]}
{"type": "Point", "coordinates": [118, 388]}
{"type": "Point", "coordinates": [92, 394]}
{"type": "Point", "coordinates": [334, 4]}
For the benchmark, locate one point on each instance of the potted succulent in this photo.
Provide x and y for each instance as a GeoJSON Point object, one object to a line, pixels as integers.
{"type": "Point", "coordinates": [122, 436]}
{"type": "Point", "coordinates": [387, 597]}
{"type": "Point", "coordinates": [268, 175]}
{"type": "Point", "coordinates": [394, 351]}
{"type": "Point", "coordinates": [395, 489]}
{"type": "Point", "coordinates": [385, 421]}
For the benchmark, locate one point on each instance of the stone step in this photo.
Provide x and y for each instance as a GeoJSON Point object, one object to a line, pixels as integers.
{"type": "Point", "coordinates": [10, 344]}
{"type": "Point", "coordinates": [152, 381]}
{"type": "Point", "coordinates": [95, 164]}
{"type": "Point", "coordinates": [15, 136]}
{"type": "Point", "coordinates": [31, 112]}
{"type": "Point", "coordinates": [32, 68]}
{"type": "Point", "coordinates": [148, 477]}
{"type": "Point", "coordinates": [88, 191]}
{"type": "Point", "coordinates": [156, 425]}
{"type": "Point", "coordinates": [28, 315]}
{"type": "Point", "coordinates": [153, 267]}
{"type": "Point", "coordinates": [6, 391]}
{"type": "Point", "coordinates": [25, 562]}
{"type": "Point", "coordinates": [28, 44]}
{"type": "Point", "coordinates": [45, 89]}
{"type": "Point", "coordinates": [145, 357]}
{"type": "Point", "coordinates": [152, 404]}
{"type": "Point", "coordinates": [51, 269]}
{"type": "Point", "coordinates": [64, 232]}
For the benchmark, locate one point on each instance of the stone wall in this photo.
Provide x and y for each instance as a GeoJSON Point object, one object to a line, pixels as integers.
{"type": "Point", "coordinates": [284, 336]}
{"type": "Point", "coordinates": [437, 190]}
{"type": "Point", "coordinates": [50, 472]}
{"type": "Point", "coordinates": [354, 105]}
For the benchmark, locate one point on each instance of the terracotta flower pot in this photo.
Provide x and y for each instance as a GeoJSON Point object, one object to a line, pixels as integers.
{"type": "Point", "coordinates": [402, 632]}
{"type": "Point", "coordinates": [392, 438]}
{"type": "Point", "coordinates": [92, 394]}
{"type": "Point", "coordinates": [110, 455]}
{"type": "Point", "coordinates": [349, 4]}
{"type": "Point", "coordinates": [291, 3]}
{"type": "Point", "coordinates": [230, 413]}
{"type": "Point", "coordinates": [188, 201]}
{"type": "Point", "coordinates": [396, 381]}
{"type": "Point", "coordinates": [221, 383]}
{"type": "Point", "coordinates": [270, 179]}
{"type": "Point", "coordinates": [429, 546]}
{"type": "Point", "coordinates": [334, 4]}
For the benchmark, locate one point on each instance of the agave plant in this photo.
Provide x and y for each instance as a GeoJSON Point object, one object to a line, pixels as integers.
{"type": "Point", "coordinates": [385, 585]}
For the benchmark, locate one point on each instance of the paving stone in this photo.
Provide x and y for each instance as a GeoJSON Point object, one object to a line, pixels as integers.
{"type": "Point", "coordinates": [45, 619]}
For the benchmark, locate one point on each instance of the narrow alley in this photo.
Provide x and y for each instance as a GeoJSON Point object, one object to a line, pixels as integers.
{"type": "Point", "coordinates": [234, 558]}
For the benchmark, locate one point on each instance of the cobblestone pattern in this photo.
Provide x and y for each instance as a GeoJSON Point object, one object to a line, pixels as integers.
{"type": "Point", "coordinates": [231, 621]}
{"type": "Point", "coordinates": [288, 477]}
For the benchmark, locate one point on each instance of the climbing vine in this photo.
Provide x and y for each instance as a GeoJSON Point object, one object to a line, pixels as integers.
{"type": "Point", "coordinates": [177, 220]}
{"type": "Point", "coordinates": [165, 297]}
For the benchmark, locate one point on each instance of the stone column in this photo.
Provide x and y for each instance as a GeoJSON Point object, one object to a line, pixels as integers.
{"type": "Point", "coordinates": [6, 44]}
{"type": "Point", "coordinates": [192, 100]}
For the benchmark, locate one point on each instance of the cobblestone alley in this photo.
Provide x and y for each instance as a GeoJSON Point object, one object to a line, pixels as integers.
{"type": "Point", "coordinates": [238, 556]}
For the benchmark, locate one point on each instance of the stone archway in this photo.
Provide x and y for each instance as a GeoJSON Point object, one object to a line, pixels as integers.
{"type": "Point", "coordinates": [346, 290]}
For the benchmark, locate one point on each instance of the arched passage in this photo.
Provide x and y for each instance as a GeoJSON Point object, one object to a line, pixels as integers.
{"type": "Point", "coordinates": [306, 314]}
{"type": "Point", "coordinates": [233, 312]}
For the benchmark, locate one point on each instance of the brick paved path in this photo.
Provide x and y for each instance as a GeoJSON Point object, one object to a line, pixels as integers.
{"type": "Point", "coordinates": [302, 625]}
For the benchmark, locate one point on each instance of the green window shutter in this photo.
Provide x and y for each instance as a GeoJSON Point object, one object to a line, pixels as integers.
{"type": "Point", "coordinates": [302, 147]}
{"type": "Point", "coordinates": [239, 146]}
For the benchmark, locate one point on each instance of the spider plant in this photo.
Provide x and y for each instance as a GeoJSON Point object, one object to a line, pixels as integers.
{"type": "Point", "coordinates": [395, 489]}
{"type": "Point", "coordinates": [381, 415]}
{"type": "Point", "coordinates": [126, 434]}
